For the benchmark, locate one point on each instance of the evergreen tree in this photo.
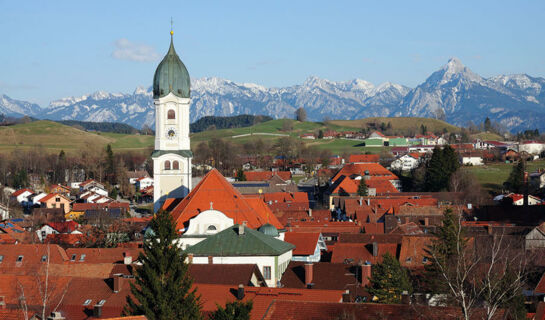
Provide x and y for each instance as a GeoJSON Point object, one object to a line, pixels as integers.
{"type": "Point", "coordinates": [439, 169]}
{"type": "Point", "coordinates": [487, 124]}
{"type": "Point", "coordinates": [301, 114]}
{"type": "Point", "coordinates": [240, 175]}
{"type": "Point", "coordinates": [320, 134]}
{"type": "Point", "coordinates": [62, 156]}
{"type": "Point", "coordinates": [233, 311]}
{"type": "Point", "coordinates": [443, 250]}
{"type": "Point", "coordinates": [388, 280]}
{"type": "Point", "coordinates": [362, 188]}
{"type": "Point", "coordinates": [110, 164]}
{"type": "Point", "coordinates": [162, 287]}
{"type": "Point", "coordinates": [515, 182]}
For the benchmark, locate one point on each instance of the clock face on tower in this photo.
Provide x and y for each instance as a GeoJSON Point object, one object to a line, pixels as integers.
{"type": "Point", "coordinates": [171, 133]}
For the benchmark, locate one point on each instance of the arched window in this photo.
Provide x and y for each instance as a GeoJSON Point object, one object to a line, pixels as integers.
{"type": "Point", "coordinates": [171, 114]}
{"type": "Point", "coordinates": [212, 227]}
{"type": "Point", "coordinates": [167, 165]}
{"type": "Point", "coordinates": [175, 165]}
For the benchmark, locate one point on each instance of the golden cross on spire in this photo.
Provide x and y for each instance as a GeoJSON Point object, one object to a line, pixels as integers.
{"type": "Point", "coordinates": [171, 29]}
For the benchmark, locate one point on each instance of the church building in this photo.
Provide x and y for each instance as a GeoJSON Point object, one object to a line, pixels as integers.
{"type": "Point", "coordinates": [172, 155]}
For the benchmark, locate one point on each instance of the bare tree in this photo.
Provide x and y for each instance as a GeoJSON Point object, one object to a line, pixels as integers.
{"type": "Point", "coordinates": [491, 277]}
{"type": "Point", "coordinates": [51, 296]}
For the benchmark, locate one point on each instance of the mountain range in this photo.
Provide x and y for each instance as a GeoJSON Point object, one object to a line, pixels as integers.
{"type": "Point", "coordinates": [453, 93]}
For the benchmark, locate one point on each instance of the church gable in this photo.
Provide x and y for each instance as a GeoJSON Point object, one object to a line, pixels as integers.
{"type": "Point", "coordinates": [226, 199]}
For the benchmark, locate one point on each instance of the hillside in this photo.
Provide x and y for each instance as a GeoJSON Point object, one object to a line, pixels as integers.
{"type": "Point", "coordinates": [55, 137]}
{"type": "Point", "coordinates": [403, 125]}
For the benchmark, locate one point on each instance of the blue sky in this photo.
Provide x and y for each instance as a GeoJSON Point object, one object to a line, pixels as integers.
{"type": "Point", "coordinates": [53, 49]}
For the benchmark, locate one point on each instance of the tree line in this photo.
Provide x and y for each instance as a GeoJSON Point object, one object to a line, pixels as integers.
{"type": "Point", "coordinates": [240, 121]}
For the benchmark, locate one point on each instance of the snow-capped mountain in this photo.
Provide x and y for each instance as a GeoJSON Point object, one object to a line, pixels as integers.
{"type": "Point", "coordinates": [17, 108]}
{"type": "Point", "coordinates": [214, 96]}
{"type": "Point", "coordinates": [516, 101]}
{"type": "Point", "coordinates": [453, 92]}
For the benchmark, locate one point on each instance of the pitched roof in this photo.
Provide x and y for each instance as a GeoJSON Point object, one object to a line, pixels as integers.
{"type": "Point", "coordinates": [356, 252]}
{"type": "Point", "coordinates": [364, 158]}
{"type": "Point", "coordinates": [540, 288]}
{"type": "Point", "coordinates": [326, 275]}
{"type": "Point", "coordinates": [307, 310]}
{"type": "Point", "coordinates": [215, 189]}
{"type": "Point", "coordinates": [266, 175]}
{"type": "Point", "coordinates": [305, 242]}
{"type": "Point", "coordinates": [103, 255]}
{"type": "Point", "coordinates": [21, 191]}
{"type": "Point", "coordinates": [230, 274]}
{"type": "Point", "coordinates": [229, 243]}
{"type": "Point", "coordinates": [64, 227]}
{"type": "Point", "coordinates": [374, 170]}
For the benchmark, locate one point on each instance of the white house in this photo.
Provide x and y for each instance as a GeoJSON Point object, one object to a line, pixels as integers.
{"type": "Point", "coordinates": [518, 199]}
{"type": "Point", "coordinates": [143, 183]}
{"type": "Point", "coordinates": [406, 162]}
{"type": "Point", "coordinates": [241, 245]}
{"type": "Point", "coordinates": [22, 195]}
{"type": "Point", "coordinates": [4, 212]}
{"type": "Point", "coordinates": [532, 147]}
{"type": "Point", "coordinates": [69, 227]}
{"type": "Point", "coordinates": [472, 159]}
{"type": "Point", "coordinates": [36, 199]}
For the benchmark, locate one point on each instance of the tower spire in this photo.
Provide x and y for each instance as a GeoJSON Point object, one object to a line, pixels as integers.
{"type": "Point", "coordinates": [171, 28]}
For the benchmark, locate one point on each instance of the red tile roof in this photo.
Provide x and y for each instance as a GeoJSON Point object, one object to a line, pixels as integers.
{"type": "Point", "coordinates": [356, 252]}
{"type": "Point", "coordinates": [103, 255]}
{"type": "Point", "coordinates": [324, 227]}
{"type": "Point", "coordinates": [64, 227]}
{"type": "Point", "coordinates": [375, 171]}
{"type": "Point", "coordinates": [21, 191]}
{"type": "Point", "coordinates": [266, 175]}
{"type": "Point", "coordinates": [213, 295]}
{"type": "Point", "coordinates": [97, 206]}
{"type": "Point", "coordinates": [364, 158]}
{"type": "Point", "coordinates": [305, 242]}
{"type": "Point", "coordinates": [215, 189]}
{"type": "Point", "coordinates": [304, 310]}
{"type": "Point", "coordinates": [413, 251]}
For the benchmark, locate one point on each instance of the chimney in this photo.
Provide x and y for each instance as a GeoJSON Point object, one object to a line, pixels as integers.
{"type": "Point", "coordinates": [127, 258]}
{"type": "Point", "coordinates": [55, 316]}
{"type": "Point", "coordinates": [365, 274]}
{"type": "Point", "coordinates": [489, 229]}
{"type": "Point", "coordinates": [97, 311]}
{"type": "Point", "coordinates": [375, 249]}
{"type": "Point", "coordinates": [118, 283]}
{"type": "Point", "coordinates": [426, 221]}
{"type": "Point", "coordinates": [525, 201]}
{"type": "Point", "coordinates": [241, 228]}
{"type": "Point", "coordinates": [210, 260]}
{"type": "Point", "coordinates": [346, 296]}
{"type": "Point", "coordinates": [361, 201]}
{"type": "Point", "coordinates": [405, 298]}
{"type": "Point", "coordinates": [308, 275]}
{"type": "Point", "coordinates": [310, 212]}
{"type": "Point", "coordinates": [368, 202]}
{"type": "Point", "coordinates": [240, 292]}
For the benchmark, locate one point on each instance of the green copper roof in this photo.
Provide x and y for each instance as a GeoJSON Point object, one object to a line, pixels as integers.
{"type": "Point", "coordinates": [183, 153]}
{"type": "Point", "coordinates": [229, 243]}
{"type": "Point", "coordinates": [171, 76]}
{"type": "Point", "coordinates": [269, 230]}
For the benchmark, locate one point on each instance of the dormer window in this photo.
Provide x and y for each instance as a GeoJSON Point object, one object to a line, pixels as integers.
{"type": "Point", "coordinates": [171, 115]}
{"type": "Point", "coordinates": [44, 258]}
{"type": "Point", "coordinates": [101, 302]}
{"type": "Point", "coordinates": [1, 259]}
{"type": "Point", "coordinates": [19, 259]}
{"type": "Point", "coordinates": [87, 302]}
{"type": "Point", "coordinates": [82, 258]}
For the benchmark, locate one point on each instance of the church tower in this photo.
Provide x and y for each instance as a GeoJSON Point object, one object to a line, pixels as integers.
{"type": "Point", "coordinates": [172, 155]}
